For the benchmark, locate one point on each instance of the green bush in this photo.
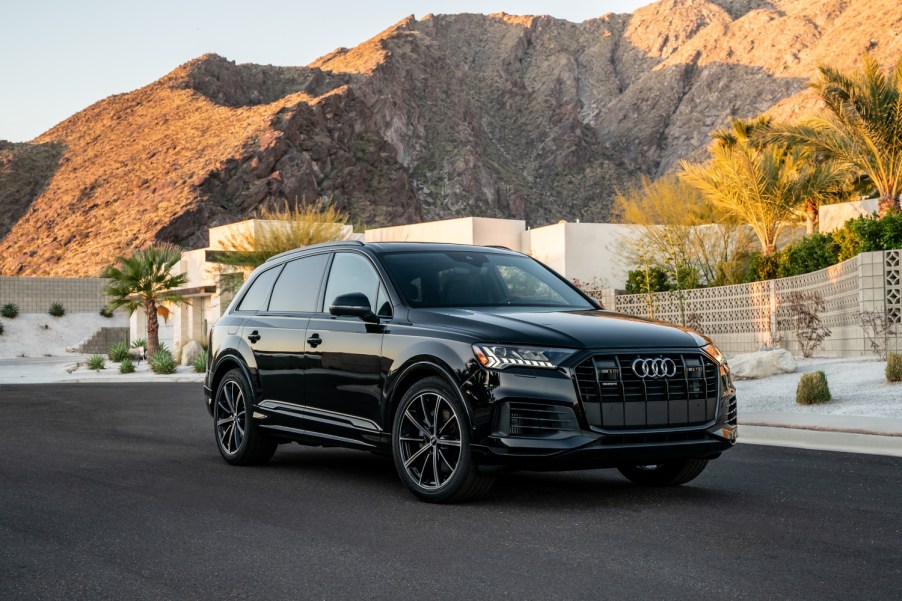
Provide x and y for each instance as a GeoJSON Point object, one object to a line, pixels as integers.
{"type": "Point", "coordinates": [812, 253]}
{"type": "Point", "coordinates": [96, 362]}
{"type": "Point", "coordinates": [118, 352]}
{"type": "Point", "coordinates": [813, 389]}
{"type": "Point", "coordinates": [139, 343]}
{"type": "Point", "coordinates": [640, 282]}
{"type": "Point", "coordinates": [10, 310]}
{"type": "Point", "coordinates": [762, 267]}
{"type": "Point", "coordinates": [200, 362]}
{"type": "Point", "coordinates": [126, 366]}
{"type": "Point", "coordinates": [106, 311]}
{"type": "Point", "coordinates": [894, 367]}
{"type": "Point", "coordinates": [57, 310]}
{"type": "Point", "coordinates": [161, 362]}
{"type": "Point", "coordinates": [1, 328]}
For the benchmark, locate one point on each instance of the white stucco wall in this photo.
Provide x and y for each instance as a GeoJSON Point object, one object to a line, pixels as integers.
{"type": "Point", "coordinates": [586, 251]}
{"type": "Point", "coordinates": [465, 230]}
{"type": "Point", "coordinates": [832, 217]}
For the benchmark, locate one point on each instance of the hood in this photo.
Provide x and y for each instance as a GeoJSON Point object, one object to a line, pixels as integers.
{"type": "Point", "coordinates": [568, 329]}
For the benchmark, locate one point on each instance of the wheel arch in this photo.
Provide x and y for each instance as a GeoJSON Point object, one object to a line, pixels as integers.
{"type": "Point", "coordinates": [414, 372]}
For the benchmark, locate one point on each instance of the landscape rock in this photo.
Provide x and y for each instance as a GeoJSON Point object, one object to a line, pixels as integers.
{"type": "Point", "coordinates": [762, 364]}
{"type": "Point", "coordinates": [190, 351]}
{"type": "Point", "coordinates": [138, 353]}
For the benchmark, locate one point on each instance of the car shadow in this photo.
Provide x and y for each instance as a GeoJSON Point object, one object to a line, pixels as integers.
{"type": "Point", "coordinates": [572, 489]}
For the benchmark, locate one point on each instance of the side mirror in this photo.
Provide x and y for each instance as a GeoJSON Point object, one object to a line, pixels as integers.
{"type": "Point", "coordinates": [353, 304]}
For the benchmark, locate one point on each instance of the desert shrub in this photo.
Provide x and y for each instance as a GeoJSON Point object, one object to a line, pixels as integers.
{"type": "Point", "coordinates": [1, 328]}
{"type": "Point", "coordinates": [118, 352]}
{"type": "Point", "coordinates": [106, 311]}
{"type": "Point", "coordinates": [126, 366]}
{"type": "Point", "coordinates": [804, 310]}
{"type": "Point", "coordinates": [200, 362]}
{"type": "Point", "coordinates": [10, 310]}
{"type": "Point", "coordinates": [878, 328]}
{"type": "Point", "coordinates": [894, 367]}
{"type": "Point", "coordinates": [161, 362]}
{"type": "Point", "coordinates": [813, 389]}
{"type": "Point", "coordinates": [57, 310]}
{"type": "Point", "coordinates": [96, 362]}
{"type": "Point", "coordinates": [139, 343]}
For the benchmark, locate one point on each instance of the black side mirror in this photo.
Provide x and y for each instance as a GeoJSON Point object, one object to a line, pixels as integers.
{"type": "Point", "coordinates": [354, 304]}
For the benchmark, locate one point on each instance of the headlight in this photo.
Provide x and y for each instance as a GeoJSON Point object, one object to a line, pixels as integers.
{"type": "Point", "coordinates": [715, 353]}
{"type": "Point", "coordinates": [501, 356]}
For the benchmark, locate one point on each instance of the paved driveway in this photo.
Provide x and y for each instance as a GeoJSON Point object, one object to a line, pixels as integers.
{"type": "Point", "coordinates": [117, 492]}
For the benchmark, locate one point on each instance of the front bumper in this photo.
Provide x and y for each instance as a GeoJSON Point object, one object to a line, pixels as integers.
{"type": "Point", "coordinates": [591, 450]}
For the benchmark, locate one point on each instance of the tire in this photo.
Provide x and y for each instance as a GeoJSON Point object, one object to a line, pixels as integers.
{"type": "Point", "coordinates": [238, 439]}
{"type": "Point", "coordinates": [672, 473]}
{"type": "Point", "coordinates": [432, 455]}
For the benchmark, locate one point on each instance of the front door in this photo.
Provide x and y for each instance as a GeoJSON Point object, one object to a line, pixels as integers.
{"type": "Point", "coordinates": [344, 373]}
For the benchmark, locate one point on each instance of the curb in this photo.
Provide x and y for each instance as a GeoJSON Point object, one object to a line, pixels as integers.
{"type": "Point", "coordinates": [816, 428]}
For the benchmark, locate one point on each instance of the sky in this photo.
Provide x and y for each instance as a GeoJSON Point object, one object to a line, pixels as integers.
{"type": "Point", "coordinates": [58, 57]}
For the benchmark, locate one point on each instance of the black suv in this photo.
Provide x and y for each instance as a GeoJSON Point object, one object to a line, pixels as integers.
{"type": "Point", "coordinates": [459, 361]}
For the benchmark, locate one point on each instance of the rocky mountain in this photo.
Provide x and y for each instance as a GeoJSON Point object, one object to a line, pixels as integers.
{"type": "Point", "coordinates": [533, 118]}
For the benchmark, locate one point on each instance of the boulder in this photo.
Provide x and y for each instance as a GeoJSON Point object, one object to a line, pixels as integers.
{"type": "Point", "coordinates": [190, 351]}
{"type": "Point", "coordinates": [762, 364]}
{"type": "Point", "coordinates": [137, 353]}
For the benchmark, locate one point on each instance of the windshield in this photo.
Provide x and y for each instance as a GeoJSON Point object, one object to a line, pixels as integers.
{"type": "Point", "coordinates": [433, 279]}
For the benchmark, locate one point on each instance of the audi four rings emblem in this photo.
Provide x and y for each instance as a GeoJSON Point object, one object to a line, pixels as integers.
{"type": "Point", "coordinates": [654, 368]}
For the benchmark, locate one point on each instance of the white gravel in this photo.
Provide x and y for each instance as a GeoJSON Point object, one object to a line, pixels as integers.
{"type": "Point", "coordinates": [858, 387]}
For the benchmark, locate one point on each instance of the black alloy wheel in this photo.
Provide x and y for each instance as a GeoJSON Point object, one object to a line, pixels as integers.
{"type": "Point", "coordinates": [671, 473]}
{"type": "Point", "coordinates": [431, 445]}
{"type": "Point", "coordinates": [239, 441]}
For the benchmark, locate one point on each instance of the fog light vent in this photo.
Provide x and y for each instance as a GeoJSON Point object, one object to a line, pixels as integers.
{"type": "Point", "coordinates": [535, 421]}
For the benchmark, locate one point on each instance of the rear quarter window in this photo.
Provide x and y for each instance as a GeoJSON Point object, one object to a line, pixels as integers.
{"type": "Point", "coordinates": [257, 296]}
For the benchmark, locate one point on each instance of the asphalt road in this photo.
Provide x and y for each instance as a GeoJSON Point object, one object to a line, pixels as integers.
{"type": "Point", "coordinates": [117, 492]}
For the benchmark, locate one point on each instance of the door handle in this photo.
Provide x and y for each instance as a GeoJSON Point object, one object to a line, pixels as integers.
{"type": "Point", "coordinates": [254, 336]}
{"type": "Point", "coordinates": [314, 340]}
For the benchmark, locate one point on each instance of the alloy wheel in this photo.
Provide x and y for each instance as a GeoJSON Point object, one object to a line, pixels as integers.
{"type": "Point", "coordinates": [230, 417]}
{"type": "Point", "coordinates": [430, 440]}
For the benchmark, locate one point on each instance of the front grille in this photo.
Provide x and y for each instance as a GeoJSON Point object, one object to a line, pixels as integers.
{"type": "Point", "coordinates": [534, 420]}
{"type": "Point", "coordinates": [616, 398]}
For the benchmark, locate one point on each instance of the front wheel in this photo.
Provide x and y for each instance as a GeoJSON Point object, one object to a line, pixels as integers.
{"type": "Point", "coordinates": [431, 445]}
{"type": "Point", "coordinates": [239, 440]}
{"type": "Point", "coordinates": [671, 473]}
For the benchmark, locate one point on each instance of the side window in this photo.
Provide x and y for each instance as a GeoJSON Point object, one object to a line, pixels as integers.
{"type": "Point", "coordinates": [298, 286]}
{"type": "Point", "coordinates": [351, 273]}
{"type": "Point", "coordinates": [256, 297]}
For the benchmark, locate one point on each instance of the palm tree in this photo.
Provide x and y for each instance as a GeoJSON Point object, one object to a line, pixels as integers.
{"type": "Point", "coordinates": [145, 280]}
{"type": "Point", "coordinates": [862, 126]}
{"type": "Point", "coordinates": [758, 181]}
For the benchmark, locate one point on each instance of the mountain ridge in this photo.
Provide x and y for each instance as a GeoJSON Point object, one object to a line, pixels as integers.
{"type": "Point", "coordinates": [528, 117]}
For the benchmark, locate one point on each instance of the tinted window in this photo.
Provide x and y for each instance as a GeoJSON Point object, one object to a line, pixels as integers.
{"type": "Point", "coordinates": [478, 279]}
{"type": "Point", "coordinates": [256, 297]}
{"type": "Point", "coordinates": [351, 273]}
{"type": "Point", "coordinates": [298, 286]}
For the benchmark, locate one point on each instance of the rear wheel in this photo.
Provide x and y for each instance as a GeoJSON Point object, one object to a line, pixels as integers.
{"type": "Point", "coordinates": [431, 445]}
{"type": "Point", "coordinates": [239, 440]}
{"type": "Point", "coordinates": [671, 473]}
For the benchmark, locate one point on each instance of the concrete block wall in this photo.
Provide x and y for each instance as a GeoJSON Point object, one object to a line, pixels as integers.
{"type": "Point", "coordinates": [35, 295]}
{"type": "Point", "coordinates": [746, 317]}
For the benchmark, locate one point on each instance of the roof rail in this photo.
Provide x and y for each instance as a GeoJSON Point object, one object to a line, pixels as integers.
{"type": "Point", "coordinates": [320, 245]}
{"type": "Point", "coordinates": [498, 246]}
